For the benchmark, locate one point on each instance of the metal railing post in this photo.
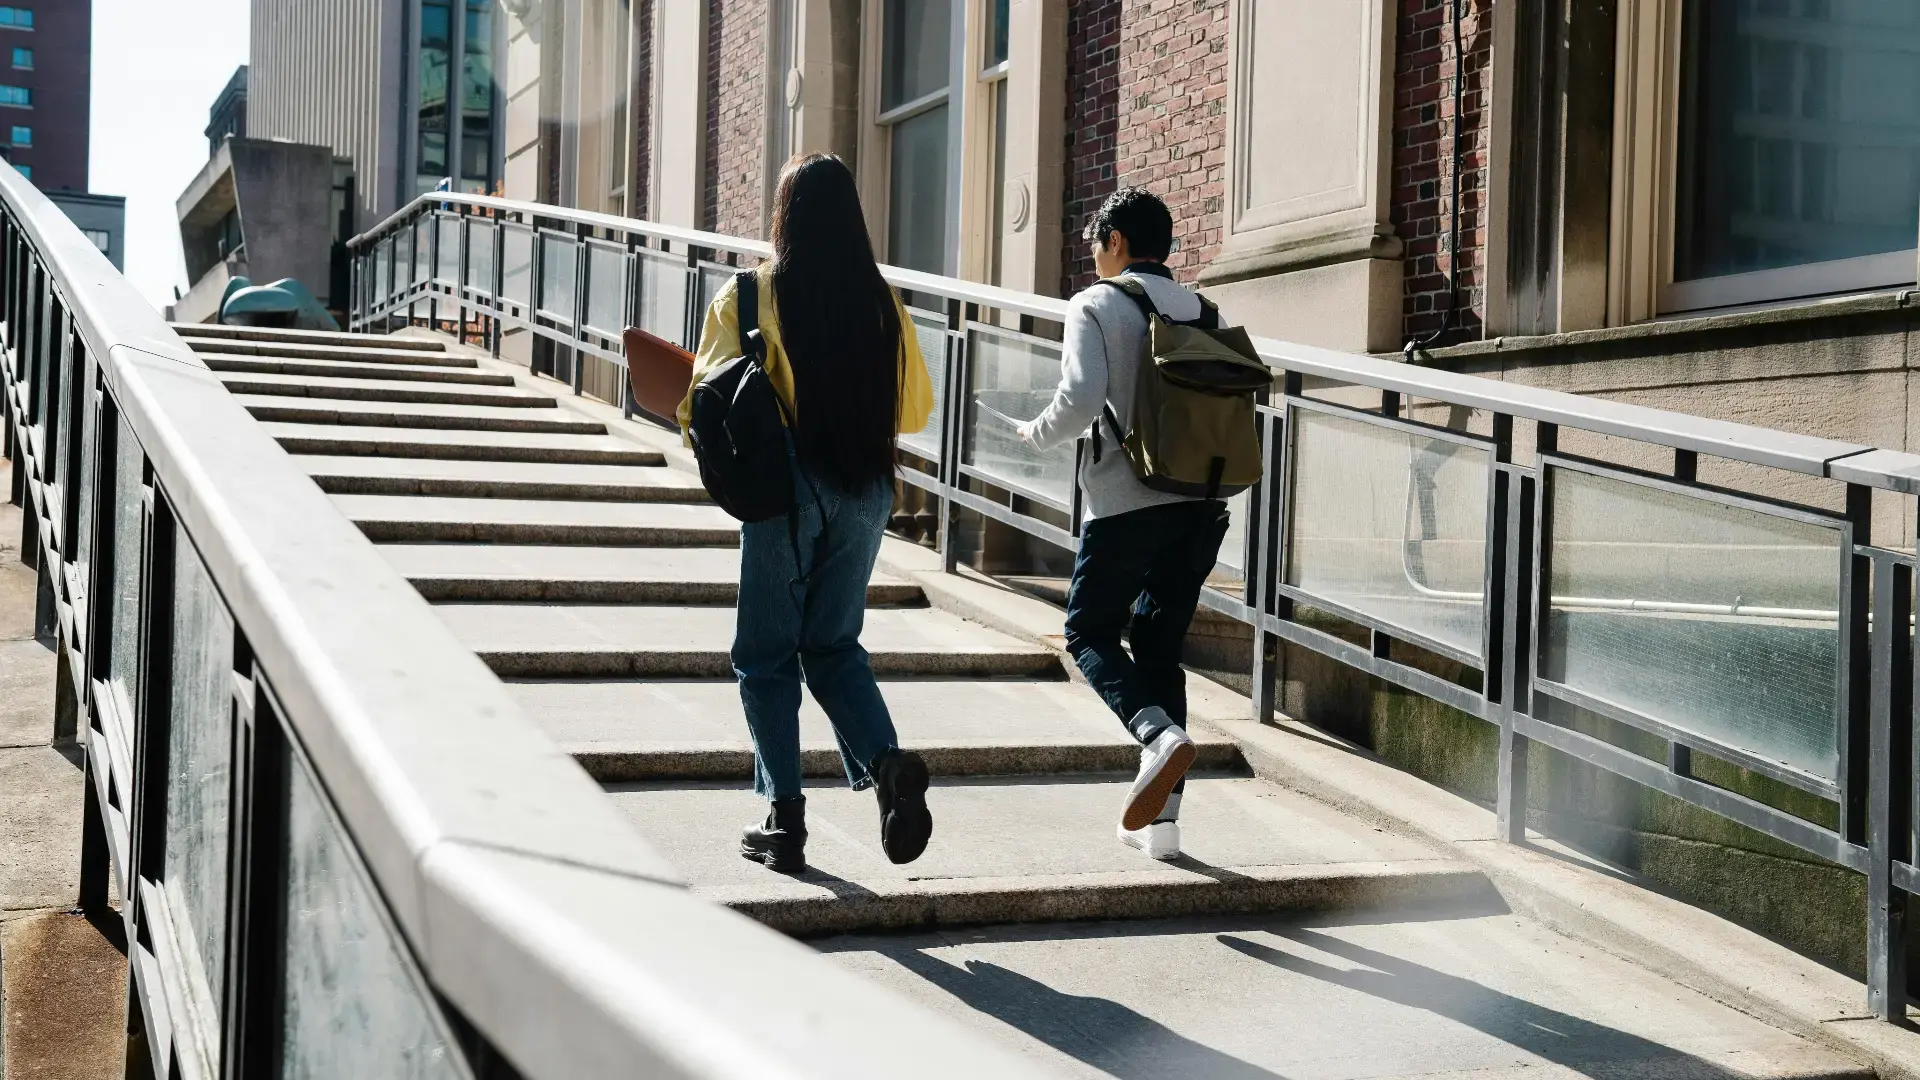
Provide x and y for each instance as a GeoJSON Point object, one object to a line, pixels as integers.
{"type": "Point", "coordinates": [1889, 805]}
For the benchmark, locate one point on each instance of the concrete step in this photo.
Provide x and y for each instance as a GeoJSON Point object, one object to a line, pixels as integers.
{"type": "Point", "coordinates": [499, 479]}
{"type": "Point", "coordinates": [338, 440]}
{"type": "Point", "coordinates": [374, 352]}
{"type": "Point", "coordinates": [1438, 994]}
{"type": "Point", "coordinates": [343, 369]}
{"type": "Point", "coordinates": [628, 730]}
{"type": "Point", "coordinates": [613, 575]}
{"type": "Point", "coordinates": [420, 519]}
{"type": "Point", "coordinates": [305, 337]}
{"type": "Point", "coordinates": [1021, 849]}
{"type": "Point", "coordinates": [305, 410]}
{"type": "Point", "coordinates": [311, 386]}
{"type": "Point", "coordinates": [598, 641]}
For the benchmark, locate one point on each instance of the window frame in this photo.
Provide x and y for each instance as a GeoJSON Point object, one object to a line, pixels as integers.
{"type": "Point", "coordinates": [14, 140]}
{"type": "Point", "coordinates": [10, 18]}
{"type": "Point", "coordinates": [1648, 90]}
{"type": "Point", "coordinates": [880, 122]}
{"type": "Point", "coordinates": [18, 52]}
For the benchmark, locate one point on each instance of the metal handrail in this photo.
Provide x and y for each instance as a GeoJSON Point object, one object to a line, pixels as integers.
{"type": "Point", "coordinates": [529, 904]}
{"type": "Point", "coordinates": [1808, 454]}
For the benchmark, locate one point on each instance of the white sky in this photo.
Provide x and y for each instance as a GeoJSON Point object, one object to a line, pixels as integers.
{"type": "Point", "coordinates": [157, 66]}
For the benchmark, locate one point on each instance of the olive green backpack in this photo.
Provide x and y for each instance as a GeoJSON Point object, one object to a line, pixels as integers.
{"type": "Point", "coordinates": [1194, 429]}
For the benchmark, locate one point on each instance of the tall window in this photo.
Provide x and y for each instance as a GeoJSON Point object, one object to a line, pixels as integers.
{"type": "Point", "coordinates": [617, 92]}
{"type": "Point", "coordinates": [915, 85]}
{"type": "Point", "coordinates": [21, 135]}
{"type": "Point", "coordinates": [994, 75]}
{"type": "Point", "coordinates": [1799, 152]}
{"type": "Point", "coordinates": [476, 98]}
{"type": "Point", "coordinates": [17, 17]}
{"type": "Point", "coordinates": [23, 59]}
{"type": "Point", "coordinates": [436, 53]}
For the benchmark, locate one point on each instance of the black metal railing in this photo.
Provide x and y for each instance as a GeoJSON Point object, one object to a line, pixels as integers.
{"type": "Point", "coordinates": [1582, 573]}
{"type": "Point", "coordinates": [340, 848]}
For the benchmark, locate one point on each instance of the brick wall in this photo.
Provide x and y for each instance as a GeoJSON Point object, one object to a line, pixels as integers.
{"type": "Point", "coordinates": [736, 107]}
{"type": "Point", "coordinates": [1423, 181]}
{"type": "Point", "coordinates": [1093, 95]}
{"type": "Point", "coordinates": [1147, 106]}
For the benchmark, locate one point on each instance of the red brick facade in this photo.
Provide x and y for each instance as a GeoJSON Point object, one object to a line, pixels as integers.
{"type": "Point", "coordinates": [1423, 181]}
{"type": "Point", "coordinates": [736, 109]}
{"type": "Point", "coordinates": [1146, 106]}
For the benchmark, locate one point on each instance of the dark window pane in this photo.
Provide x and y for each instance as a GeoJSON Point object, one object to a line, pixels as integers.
{"type": "Point", "coordinates": [917, 204]}
{"type": "Point", "coordinates": [1800, 134]}
{"type": "Point", "coordinates": [476, 149]}
{"type": "Point", "coordinates": [997, 33]}
{"type": "Point", "coordinates": [918, 50]}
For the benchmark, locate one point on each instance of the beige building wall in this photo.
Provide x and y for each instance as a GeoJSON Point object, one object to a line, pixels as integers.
{"type": "Point", "coordinates": [1310, 253]}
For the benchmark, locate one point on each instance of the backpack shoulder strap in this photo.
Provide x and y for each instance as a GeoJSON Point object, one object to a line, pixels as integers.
{"type": "Point", "coordinates": [1209, 314]}
{"type": "Point", "coordinates": [746, 292]}
{"type": "Point", "coordinates": [1135, 290]}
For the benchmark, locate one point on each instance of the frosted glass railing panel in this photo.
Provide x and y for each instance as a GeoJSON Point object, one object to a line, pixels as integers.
{"type": "Point", "coordinates": [353, 1004]}
{"type": "Point", "coordinates": [516, 264]}
{"type": "Point", "coordinates": [663, 297]}
{"type": "Point", "coordinates": [422, 249]}
{"type": "Point", "coordinates": [558, 272]}
{"type": "Point", "coordinates": [1390, 524]}
{"type": "Point", "coordinates": [1718, 620]}
{"type": "Point", "coordinates": [481, 235]}
{"type": "Point", "coordinates": [712, 280]}
{"type": "Point", "coordinates": [1013, 380]}
{"type": "Point", "coordinates": [123, 660]}
{"type": "Point", "coordinates": [1233, 550]}
{"type": "Point", "coordinates": [931, 335]}
{"type": "Point", "coordinates": [383, 270]}
{"type": "Point", "coordinates": [199, 763]}
{"type": "Point", "coordinates": [447, 261]}
{"type": "Point", "coordinates": [403, 258]}
{"type": "Point", "coordinates": [606, 290]}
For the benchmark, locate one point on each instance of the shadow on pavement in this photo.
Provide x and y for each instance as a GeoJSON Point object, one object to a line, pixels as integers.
{"type": "Point", "coordinates": [1580, 1045]}
{"type": "Point", "coordinates": [1105, 1034]}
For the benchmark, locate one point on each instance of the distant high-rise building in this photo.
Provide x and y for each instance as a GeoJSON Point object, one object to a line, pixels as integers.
{"type": "Point", "coordinates": [46, 73]}
{"type": "Point", "coordinates": [405, 89]}
{"type": "Point", "coordinates": [229, 113]}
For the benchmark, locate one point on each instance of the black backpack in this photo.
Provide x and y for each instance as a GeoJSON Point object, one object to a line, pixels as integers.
{"type": "Point", "coordinates": [738, 424]}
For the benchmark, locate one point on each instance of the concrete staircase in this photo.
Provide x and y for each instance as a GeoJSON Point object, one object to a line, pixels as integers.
{"type": "Point", "coordinates": [576, 554]}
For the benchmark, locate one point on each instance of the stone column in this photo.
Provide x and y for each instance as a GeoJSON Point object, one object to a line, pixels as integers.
{"type": "Point", "coordinates": [1310, 254]}
{"type": "Point", "coordinates": [679, 112]}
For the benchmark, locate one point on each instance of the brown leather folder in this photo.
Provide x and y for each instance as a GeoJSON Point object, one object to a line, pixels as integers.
{"type": "Point", "coordinates": [658, 371]}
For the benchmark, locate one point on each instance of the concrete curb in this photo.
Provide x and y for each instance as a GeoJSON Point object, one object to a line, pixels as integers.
{"type": "Point", "coordinates": [1147, 894]}
{"type": "Point", "coordinates": [618, 766]}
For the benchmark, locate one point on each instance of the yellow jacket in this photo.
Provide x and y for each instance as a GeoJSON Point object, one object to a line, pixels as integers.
{"type": "Point", "coordinates": [720, 342]}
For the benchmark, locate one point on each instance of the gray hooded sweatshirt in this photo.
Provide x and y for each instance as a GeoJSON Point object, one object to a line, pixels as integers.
{"type": "Point", "coordinates": [1100, 364]}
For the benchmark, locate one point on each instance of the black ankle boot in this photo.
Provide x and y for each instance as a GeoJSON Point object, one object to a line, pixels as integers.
{"type": "Point", "coordinates": [780, 842]}
{"type": "Point", "coordinates": [900, 783]}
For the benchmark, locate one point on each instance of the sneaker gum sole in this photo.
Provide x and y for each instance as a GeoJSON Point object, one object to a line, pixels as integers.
{"type": "Point", "coordinates": [1146, 847]}
{"type": "Point", "coordinates": [1153, 798]}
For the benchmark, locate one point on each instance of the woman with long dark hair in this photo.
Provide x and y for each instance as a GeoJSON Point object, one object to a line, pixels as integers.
{"type": "Point", "coordinates": [841, 352]}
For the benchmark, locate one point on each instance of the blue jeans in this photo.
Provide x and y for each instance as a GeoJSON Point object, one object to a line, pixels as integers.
{"type": "Point", "coordinates": [1140, 573]}
{"type": "Point", "coordinates": [790, 624]}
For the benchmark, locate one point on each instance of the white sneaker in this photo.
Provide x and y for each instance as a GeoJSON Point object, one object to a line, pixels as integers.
{"type": "Point", "coordinates": [1162, 763]}
{"type": "Point", "coordinates": [1160, 840]}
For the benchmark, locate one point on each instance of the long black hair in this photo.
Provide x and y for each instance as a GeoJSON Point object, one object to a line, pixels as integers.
{"type": "Point", "coordinates": [838, 324]}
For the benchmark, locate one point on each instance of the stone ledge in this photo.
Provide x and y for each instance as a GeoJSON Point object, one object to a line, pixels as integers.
{"type": "Point", "coordinates": [1786, 315]}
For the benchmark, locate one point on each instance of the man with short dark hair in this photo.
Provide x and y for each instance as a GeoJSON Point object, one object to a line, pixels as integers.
{"type": "Point", "coordinates": [1144, 554]}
